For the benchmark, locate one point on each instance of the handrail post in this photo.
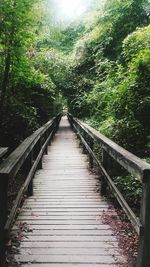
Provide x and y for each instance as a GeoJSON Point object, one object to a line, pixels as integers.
{"type": "Point", "coordinates": [30, 186]}
{"type": "Point", "coordinates": [40, 165]}
{"type": "Point", "coordinates": [91, 144]}
{"type": "Point", "coordinates": [46, 137]}
{"type": "Point", "coordinates": [70, 120]}
{"type": "Point", "coordinates": [143, 259]}
{"type": "Point", "coordinates": [84, 137]}
{"type": "Point", "coordinates": [3, 215]}
{"type": "Point", "coordinates": [105, 165]}
{"type": "Point", "coordinates": [50, 133]}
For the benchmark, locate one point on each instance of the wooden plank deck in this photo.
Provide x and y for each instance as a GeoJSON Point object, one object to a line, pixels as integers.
{"type": "Point", "coordinates": [61, 224]}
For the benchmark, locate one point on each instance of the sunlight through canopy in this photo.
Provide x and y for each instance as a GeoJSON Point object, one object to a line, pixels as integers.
{"type": "Point", "coordinates": [72, 9]}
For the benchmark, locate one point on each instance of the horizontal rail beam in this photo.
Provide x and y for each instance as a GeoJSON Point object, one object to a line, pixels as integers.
{"type": "Point", "coordinates": [129, 161]}
{"type": "Point", "coordinates": [17, 157]}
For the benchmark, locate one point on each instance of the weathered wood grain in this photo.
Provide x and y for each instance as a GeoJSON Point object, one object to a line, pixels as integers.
{"type": "Point", "coordinates": [69, 244]}
{"type": "Point", "coordinates": [69, 251]}
{"type": "Point", "coordinates": [101, 259]}
{"type": "Point", "coordinates": [73, 228]}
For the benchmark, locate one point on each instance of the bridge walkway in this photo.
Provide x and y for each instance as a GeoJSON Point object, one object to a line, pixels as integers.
{"type": "Point", "coordinates": [62, 224]}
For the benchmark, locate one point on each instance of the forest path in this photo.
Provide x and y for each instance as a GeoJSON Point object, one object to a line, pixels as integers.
{"type": "Point", "coordinates": [62, 224]}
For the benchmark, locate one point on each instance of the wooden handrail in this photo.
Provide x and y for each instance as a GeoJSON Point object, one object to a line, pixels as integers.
{"type": "Point", "coordinates": [29, 155]}
{"type": "Point", "coordinates": [130, 163]}
{"type": "Point", "coordinates": [16, 158]}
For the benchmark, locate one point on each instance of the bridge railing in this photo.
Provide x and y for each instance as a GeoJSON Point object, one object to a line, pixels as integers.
{"type": "Point", "coordinates": [28, 155]}
{"type": "Point", "coordinates": [110, 151]}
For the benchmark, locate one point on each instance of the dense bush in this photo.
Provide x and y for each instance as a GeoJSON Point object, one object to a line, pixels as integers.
{"type": "Point", "coordinates": [131, 188]}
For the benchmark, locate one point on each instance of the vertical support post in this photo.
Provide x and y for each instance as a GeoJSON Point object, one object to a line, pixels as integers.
{"type": "Point", "coordinates": [30, 188]}
{"type": "Point", "coordinates": [143, 259]}
{"type": "Point", "coordinates": [70, 121]}
{"type": "Point", "coordinates": [46, 150]}
{"type": "Point", "coordinates": [50, 140]}
{"type": "Point", "coordinates": [29, 166]}
{"type": "Point", "coordinates": [54, 128]}
{"type": "Point", "coordinates": [46, 137]}
{"type": "Point", "coordinates": [3, 215]}
{"type": "Point", "coordinates": [58, 121]}
{"type": "Point", "coordinates": [91, 144]}
{"type": "Point", "coordinates": [84, 148]}
{"type": "Point", "coordinates": [53, 133]}
{"type": "Point", "coordinates": [39, 149]}
{"type": "Point", "coordinates": [105, 164]}
{"type": "Point", "coordinates": [56, 124]}
{"type": "Point", "coordinates": [50, 135]}
{"type": "Point", "coordinates": [77, 131]}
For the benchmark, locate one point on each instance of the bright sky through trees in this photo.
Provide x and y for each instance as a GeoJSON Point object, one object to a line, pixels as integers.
{"type": "Point", "coordinates": [70, 9]}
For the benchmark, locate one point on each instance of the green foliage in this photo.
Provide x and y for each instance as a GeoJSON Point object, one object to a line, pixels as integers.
{"type": "Point", "coordinates": [131, 188]}
{"type": "Point", "coordinates": [108, 83]}
{"type": "Point", "coordinates": [100, 65]}
{"type": "Point", "coordinates": [70, 36]}
{"type": "Point", "coordinates": [28, 96]}
{"type": "Point", "coordinates": [135, 43]}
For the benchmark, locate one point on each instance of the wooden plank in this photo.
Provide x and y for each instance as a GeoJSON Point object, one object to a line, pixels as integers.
{"type": "Point", "coordinates": [69, 244]}
{"type": "Point", "coordinates": [63, 213]}
{"type": "Point", "coordinates": [63, 227]}
{"type": "Point", "coordinates": [65, 201]}
{"type": "Point", "coordinates": [67, 197]}
{"type": "Point", "coordinates": [68, 258]}
{"type": "Point", "coordinates": [59, 190]}
{"type": "Point", "coordinates": [50, 209]}
{"type": "Point", "coordinates": [68, 238]}
{"type": "Point", "coordinates": [49, 199]}
{"type": "Point", "coordinates": [69, 251]}
{"type": "Point", "coordinates": [68, 182]}
{"type": "Point", "coordinates": [64, 187]}
{"type": "Point", "coordinates": [78, 205]}
{"type": "Point", "coordinates": [60, 222]}
{"type": "Point", "coordinates": [60, 217]}
{"type": "Point", "coordinates": [65, 182]}
{"type": "Point", "coordinates": [67, 265]}
{"type": "Point", "coordinates": [40, 194]}
{"type": "Point", "coordinates": [65, 177]}
{"type": "Point", "coordinates": [67, 232]}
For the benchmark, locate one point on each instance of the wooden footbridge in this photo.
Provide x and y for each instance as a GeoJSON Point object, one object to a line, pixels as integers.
{"type": "Point", "coordinates": [60, 222]}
